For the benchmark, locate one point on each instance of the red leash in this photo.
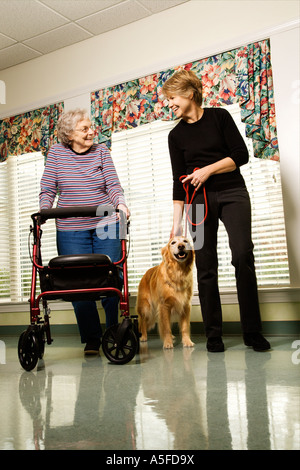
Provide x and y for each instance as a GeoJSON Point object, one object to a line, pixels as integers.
{"type": "Point", "coordinates": [189, 202]}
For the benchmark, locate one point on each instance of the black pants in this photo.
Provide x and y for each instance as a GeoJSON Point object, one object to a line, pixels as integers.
{"type": "Point", "coordinates": [233, 208]}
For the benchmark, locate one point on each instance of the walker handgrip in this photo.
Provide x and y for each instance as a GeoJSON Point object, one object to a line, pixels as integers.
{"type": "Point", "coordinates": [76, 211]}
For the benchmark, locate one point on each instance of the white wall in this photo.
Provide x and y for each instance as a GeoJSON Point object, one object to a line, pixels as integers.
{"type": "Point", "coordinates": [187, 32]}
{"type": "Point", "coordinates": [285, 52]}
{"type": "Point", "coordinates": [182, 34]}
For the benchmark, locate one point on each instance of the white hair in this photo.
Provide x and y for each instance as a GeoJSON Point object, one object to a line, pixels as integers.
{"type": "Point", "coordinates": [67, 123]}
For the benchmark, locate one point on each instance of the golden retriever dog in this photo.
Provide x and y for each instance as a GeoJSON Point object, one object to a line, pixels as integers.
{"type": "Point", "coordinates": [165, 291]}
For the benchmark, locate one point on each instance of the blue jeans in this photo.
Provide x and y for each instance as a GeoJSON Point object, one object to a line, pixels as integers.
{"type": "Point", "coordinates": [90, 241]}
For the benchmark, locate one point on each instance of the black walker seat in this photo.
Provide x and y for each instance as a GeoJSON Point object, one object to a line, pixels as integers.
{"type": "Point", "coordinates": [78, 277]}
{"type": "Point", "coordinates": [80, 272]}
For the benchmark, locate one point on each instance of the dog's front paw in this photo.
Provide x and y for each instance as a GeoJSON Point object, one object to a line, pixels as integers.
{"type": "Point", "coordinates": [143, 339]}
{"type": "Point", "coordinates": [187, 343]}
{"type": "Point", "coordinates": [168, 343]}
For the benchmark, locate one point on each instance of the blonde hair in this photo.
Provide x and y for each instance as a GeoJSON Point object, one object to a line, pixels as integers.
{"type": "Point", "coordinates": [183, 83]}
{"type": "Point", "coordinates": [67, 123]}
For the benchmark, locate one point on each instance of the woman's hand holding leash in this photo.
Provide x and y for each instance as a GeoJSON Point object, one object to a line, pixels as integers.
{"type": "Point", "coordinates": [186, 179]}
{"type": "Point", "coordinates": [197, 178]}
{"type": "Point", "coordinates": [201, 175]}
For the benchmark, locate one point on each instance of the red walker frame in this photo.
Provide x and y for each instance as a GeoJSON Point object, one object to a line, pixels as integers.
{"type": "Point", "coordinates": [120, 342]}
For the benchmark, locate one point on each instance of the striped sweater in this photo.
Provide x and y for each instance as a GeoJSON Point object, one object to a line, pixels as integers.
{"type": "Point", "coordinates": [88, 179]}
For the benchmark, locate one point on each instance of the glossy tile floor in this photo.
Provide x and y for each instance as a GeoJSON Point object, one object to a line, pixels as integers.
{"type": "Point", "coordinates": [177, 399]}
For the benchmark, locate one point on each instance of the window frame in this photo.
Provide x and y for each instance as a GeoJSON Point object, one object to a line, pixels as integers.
{"type": "Point", "coordinates": [228, 295]}
{"type": "Point", "coordinates": [252, 169]}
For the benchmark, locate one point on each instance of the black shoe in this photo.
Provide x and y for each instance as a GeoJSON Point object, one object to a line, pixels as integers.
{"type": "Point", "coordinates": [92, 346]}
{"type": "Point", "coordinates": [215, 344]}
{"type": "Point", "coordinates": [257, 341]}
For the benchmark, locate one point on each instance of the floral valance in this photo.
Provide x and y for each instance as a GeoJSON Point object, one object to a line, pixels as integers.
{"type": "Point", "coordinates": [243, 75]}
{"type": "Point", "coordinates": [29, 132]}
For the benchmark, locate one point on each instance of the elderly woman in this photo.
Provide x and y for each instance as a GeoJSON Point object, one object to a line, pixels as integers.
{"type": "Point", "coordinates": [207, 147]}
{"type": "Point", "coordinates": [83, 173]}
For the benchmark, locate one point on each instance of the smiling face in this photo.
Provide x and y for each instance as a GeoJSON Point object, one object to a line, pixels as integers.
{"type": "Point", "coordinates": [181, 106]}
{"type": "Point", "coordinates": [180, 248]}
{"type": "Point", "coordinates": [81, 139]}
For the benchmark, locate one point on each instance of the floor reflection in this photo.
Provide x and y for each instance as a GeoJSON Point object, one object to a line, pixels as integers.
{"type": "Point", "coordinates": [178, 399]}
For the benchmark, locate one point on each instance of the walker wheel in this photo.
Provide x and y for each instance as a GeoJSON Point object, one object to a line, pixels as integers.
{"type": "Point", "coordinates": [125, 351]}
{"type": "Point", "coordinates": [41, 341]}
{"type": "Point", "coordinates": [28, 349]}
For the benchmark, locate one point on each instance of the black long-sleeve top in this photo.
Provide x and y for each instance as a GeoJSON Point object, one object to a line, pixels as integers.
{"type": "Point", "coordinates": [212, 138]}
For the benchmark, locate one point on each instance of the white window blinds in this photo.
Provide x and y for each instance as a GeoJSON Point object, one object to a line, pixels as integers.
{"type": "Point", "coordinates": [4, 234]}
{"type": "Point", "coordinates": [142, 161]}
{"type": "Point", "coordinates": [19, 198]}
{"type": "Point", "coordinates": [143, 166]}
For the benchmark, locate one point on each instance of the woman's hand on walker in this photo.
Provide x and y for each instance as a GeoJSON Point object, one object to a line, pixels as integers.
{"type": "Point", "coordinates": [123, 208]}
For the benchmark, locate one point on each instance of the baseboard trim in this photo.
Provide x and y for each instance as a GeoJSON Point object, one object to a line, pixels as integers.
{"type": "Point", "coordinates": [273, 328]}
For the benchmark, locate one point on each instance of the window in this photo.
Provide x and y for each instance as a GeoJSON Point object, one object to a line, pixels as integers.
{"type": "Point", "coordinates": [143, 165]}
{"type": "Point", "coordinates": [4, 234]}
{"type": "Point", "coordinates": [20, 186]}
{"type": "Point", "coordinates": [142, 161]}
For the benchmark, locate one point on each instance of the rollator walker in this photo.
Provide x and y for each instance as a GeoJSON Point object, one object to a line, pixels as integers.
{"type": "Point", "coordinates": [78, 277]}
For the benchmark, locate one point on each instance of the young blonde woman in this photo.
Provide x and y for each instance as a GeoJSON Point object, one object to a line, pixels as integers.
{"type": "Point", "coordinates": [208, 148]}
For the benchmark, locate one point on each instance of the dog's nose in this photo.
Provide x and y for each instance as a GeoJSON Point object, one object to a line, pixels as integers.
{"type": "Point", "coordinates": [181, 247]}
